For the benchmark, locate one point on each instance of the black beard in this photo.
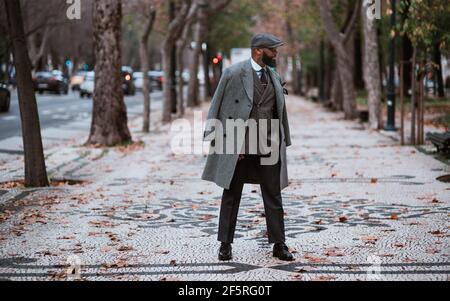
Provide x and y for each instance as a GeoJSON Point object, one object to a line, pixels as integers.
{"type": "Point", "coordinates": [269, 61]}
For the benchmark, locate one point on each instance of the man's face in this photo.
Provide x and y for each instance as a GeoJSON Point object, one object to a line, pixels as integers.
{"type": "Point", "coordinates": [269, 56]}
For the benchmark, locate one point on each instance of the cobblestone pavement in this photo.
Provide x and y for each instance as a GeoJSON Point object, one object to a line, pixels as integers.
{"type": "Point", "coordinates": [359, 208]}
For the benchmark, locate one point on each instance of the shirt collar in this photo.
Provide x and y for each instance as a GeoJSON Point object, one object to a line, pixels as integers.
{"type": "Point", "coordinates": [256, 66]}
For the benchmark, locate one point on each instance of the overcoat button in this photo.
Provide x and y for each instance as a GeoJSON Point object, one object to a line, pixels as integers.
{"type": "Point", "coordinates": [237, 100]}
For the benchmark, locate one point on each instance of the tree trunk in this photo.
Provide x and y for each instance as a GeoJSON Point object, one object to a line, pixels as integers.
{"type": "Point", "coordinates": [180, 64]}
{"type": "Point", "coordinates": [439, 79]}
{"type": "Point", "coordinates": [322, 71]}
{"type": "Point", "coordinates": [193, 87]}
{"type": "Point", "coordinates": [358, 61]}
{"type": "Point", "coordinates": [407, 52]}
{"type": "Point", "coordinates": [143, 50]}
{"type": "Point", "coordinates": [145, 67]}
{"type": "Point", "coordinates": [344, 61]}
{"type": "Point", "coordinates": [413, 97]}
{"type": "Point", "coordinates": [35, 170]}
{"type": "Point", "coordinates": [181, 46]}
{"type": "Point", "coordinates": [109, 119]}
{"type": "Point", "coordinates": [295, 79]}
{"type": "Point", "coordinates": [371, 70]}
{"type": "Point", "coordinates": [336, 91]}
{"type": "Point", "coordinates": [183, 15]}
{"type": "Point", "coordinates": [167, 67]}
{"type": "Point", "coordinates": [329, 71]}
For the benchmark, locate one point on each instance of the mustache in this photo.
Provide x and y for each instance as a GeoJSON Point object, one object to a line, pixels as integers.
{"type": "Point", "coordinates": [271, 62]}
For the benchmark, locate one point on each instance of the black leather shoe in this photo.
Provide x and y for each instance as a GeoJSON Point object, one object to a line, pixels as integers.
{"type": "Point", "coordinates": [281, 251]}
{"type": "Point", "coordinates": [225, 252]}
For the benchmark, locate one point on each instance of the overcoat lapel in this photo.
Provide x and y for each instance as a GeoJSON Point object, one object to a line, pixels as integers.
{"type": "Point", "coordinates": [278, 92]}
{"type": "Point", "coordinates": [247, 80]}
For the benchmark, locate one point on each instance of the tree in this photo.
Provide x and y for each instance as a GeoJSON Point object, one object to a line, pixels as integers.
{"type": "Point", "coordinates": [35, 170]}
{"type": "Point", "coordinates": [183, 14]}
{"type": "Point", "coordinates": [344, 60]}
{"type": "Point", "coordinates": [109, 119]}
{"type": "Point", "coordinates": [206, 10]}
{"type": "Point", "coordinates": [426, 27]}
{"type": "Point", "coordinates": [143, 12]}
{"type": "Point", "coordinates": [145, 68]}
{"type": "Point", "coordinates": [181, 47]}
{"type": "Point", "coordinates": [371, 69]}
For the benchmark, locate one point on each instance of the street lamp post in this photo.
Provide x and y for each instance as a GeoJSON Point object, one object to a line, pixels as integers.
{"type": "Point", "coordinates": [391, 84]}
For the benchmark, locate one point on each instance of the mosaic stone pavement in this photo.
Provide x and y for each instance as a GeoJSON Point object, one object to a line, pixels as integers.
{"type": "Point", "coordinates": [359, 207]}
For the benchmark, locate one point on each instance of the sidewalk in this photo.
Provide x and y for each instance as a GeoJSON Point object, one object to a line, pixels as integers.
{"type": "Point", "coordinates": [359, 208]}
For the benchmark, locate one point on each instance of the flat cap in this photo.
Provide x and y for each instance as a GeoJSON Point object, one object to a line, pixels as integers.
{"type": "Point", "coordinates": [266, 40]}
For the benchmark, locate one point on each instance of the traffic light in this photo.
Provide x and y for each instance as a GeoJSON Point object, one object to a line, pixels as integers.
{"type": "Point", "coordinates": [217, 59]}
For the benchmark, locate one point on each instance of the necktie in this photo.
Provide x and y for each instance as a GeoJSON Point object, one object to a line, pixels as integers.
{"type": "Point", "coordinates": [264, 81]}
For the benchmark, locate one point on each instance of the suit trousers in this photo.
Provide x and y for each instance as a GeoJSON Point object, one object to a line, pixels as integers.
{"type": "Point", "coordinates": [269, 176]}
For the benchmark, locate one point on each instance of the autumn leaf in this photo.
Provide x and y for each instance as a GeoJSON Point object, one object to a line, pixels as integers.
{"type": "Point", "coordinates": [393, 217]}
{"type": "Point", "coordinates": [296, 277]}
{"type": "Point", "coordinates": [373, 180]}
{"type": "Point", "coordinates": [313, 259]}
{"type": "Point", "coordinates": [105, 249]}
{"type": "Point", "coordinates": [333, 252]}
{"type": "Point", "coordinates": [169, 279]}
{"type": "Point", "coordinates": [149, 216]}
{"type": "Point", "coordinates": [67, 237]}
{"type": "Point", "coordinates": [343, 219]}
{"type": "Point", "coordinates": [207, 217]}
{"type": "Point", "coordinates": [325, 278]}
{"type": "Point", "coordinates": [125, 249]}
{"type": "Point", "coordinates": [438, 232]}
{"type": "Point", "coordinates": [369, 239]}
{"type": "Point", "coordinates": [163, 252]}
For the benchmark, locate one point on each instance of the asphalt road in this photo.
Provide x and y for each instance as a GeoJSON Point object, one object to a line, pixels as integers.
{"type": "Point", "coordinates": [56, 111]}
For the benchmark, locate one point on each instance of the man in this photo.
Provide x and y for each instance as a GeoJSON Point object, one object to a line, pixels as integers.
{"type": "Point", "coordinates": [250, 91]}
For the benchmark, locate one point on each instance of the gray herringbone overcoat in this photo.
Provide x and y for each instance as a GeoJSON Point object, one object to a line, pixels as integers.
{"type": "Point", "coordinates": [233, 99]}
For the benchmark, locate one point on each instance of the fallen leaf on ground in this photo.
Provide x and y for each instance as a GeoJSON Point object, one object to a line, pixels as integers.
{"type": "Point", "coordinates": [149, 216]}
{"type": "Point", "coordinates": [207, 217]}
{"type": "Point", "coordinates": [169, 279]}
{"type": "Point", "coordinates": [125, 249]}
{"type": "Point", "coordinates": [343, 219]}
{"type": "Point", "coordinates": [333, 252]}
{"type": "Point", "coordinates": [325, 278]}
{"type": "Point", "coordinates": [394, 216]}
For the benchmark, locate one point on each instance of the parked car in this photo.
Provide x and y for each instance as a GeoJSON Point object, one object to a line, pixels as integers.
{"type": "Point", "coordinates": [156, 79]}
{"type": "Point", "coordinates": [138, 78]}
{"type": "Point", "coordinates": [53, 81]}
{"type": "Point", "coordinates": [88, 85]}
{"type": "Point", "coordinates": [127, 81]}
{"type": "Point", "coordinates": [5, 97]}
{"type": "Point", "coordinates": [77, 79]}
